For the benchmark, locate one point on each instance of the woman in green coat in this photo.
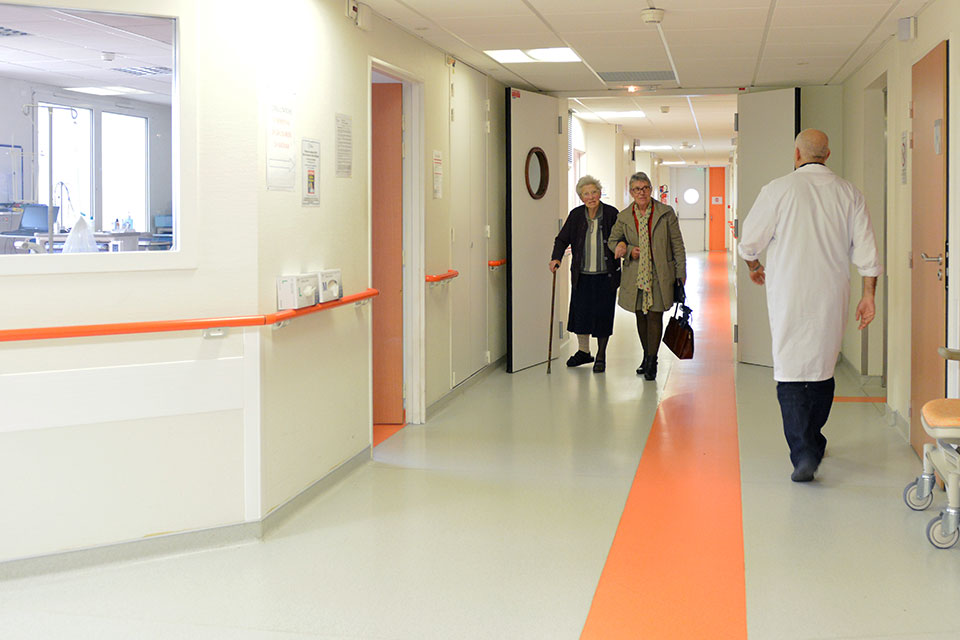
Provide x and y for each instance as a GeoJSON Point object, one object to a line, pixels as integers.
{"type": "Point", "coordinates": [647, 236]}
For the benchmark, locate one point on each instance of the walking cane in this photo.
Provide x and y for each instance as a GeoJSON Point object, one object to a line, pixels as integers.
{"type": "Point", "coordinates": [553, 297]}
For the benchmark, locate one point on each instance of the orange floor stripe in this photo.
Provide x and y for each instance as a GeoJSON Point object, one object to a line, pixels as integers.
{"type": "Point", "coordinates": [675, 568]}
{"type": "Point", "coordinates": [873, 399]}
{"type": "Point", "coordinates": [383, 431]}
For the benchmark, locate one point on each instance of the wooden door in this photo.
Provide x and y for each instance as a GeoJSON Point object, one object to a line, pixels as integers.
{"type": "Point", "coordinates": [387, 251]}
{"type": "Point", "coordinates": [929, 224]}
{"type": "Point", "coordinates": [718, 218]}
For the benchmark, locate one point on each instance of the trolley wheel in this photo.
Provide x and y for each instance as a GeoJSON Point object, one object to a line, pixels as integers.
{"type": "Point", "coordinates": [912, 500]}
{"type": "Point", "coordinates": [936, 537]}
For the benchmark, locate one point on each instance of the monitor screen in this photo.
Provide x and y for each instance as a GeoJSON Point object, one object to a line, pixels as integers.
{"type": "Point", "coordinates": [35, 217]}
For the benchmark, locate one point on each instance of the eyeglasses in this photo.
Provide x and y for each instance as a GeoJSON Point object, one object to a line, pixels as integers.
{"type": "Point", "coordinates": [645, 189]}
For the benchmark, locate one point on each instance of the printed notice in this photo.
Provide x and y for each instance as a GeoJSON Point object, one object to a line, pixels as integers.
{"type": "Point", "coordinates": [437, 175]}
{"type": "Point", "coordinates": [281, 149]}
{"type": "Point", "coordinates": [344, 146]}
{"type": "Point", "coordinates": [310, 161]}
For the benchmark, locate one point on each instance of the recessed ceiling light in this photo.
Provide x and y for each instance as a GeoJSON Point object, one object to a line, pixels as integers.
{"type": "Point", "coordinates": [614, 115]}
{"type": "Point", "coordinates": [516, 56]}
{"type": "Point", "coordinates": [654, 147]}
{"type": "Point", "coordinates": [673, 162]}
{"type": "Point", "coordinates": [509, 56]}
{"type": "Point", "coordinates": [555, 54]}
{"type": "Point", "coordinates": [106, 91]}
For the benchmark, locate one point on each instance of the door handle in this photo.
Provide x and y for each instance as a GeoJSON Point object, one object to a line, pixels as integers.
{"type": "Point", "coordinates": [926, 258]}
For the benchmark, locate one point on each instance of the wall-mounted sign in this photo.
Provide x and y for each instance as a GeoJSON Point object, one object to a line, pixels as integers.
{"type": "Point", "coordinates": [716, 200]}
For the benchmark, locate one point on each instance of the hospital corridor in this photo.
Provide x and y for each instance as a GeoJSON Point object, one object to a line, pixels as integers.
{"type": "Point", "coordinates": [563, 506]}
{"type": "Point", "coordinates": [479, 320]}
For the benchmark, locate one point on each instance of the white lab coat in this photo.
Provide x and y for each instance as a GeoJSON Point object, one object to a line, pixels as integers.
{"type": "Point", "coordinates": [813, 224]}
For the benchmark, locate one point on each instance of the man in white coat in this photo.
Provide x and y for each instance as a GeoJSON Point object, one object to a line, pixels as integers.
{"type": "Point", "coordinates": [813, 224]}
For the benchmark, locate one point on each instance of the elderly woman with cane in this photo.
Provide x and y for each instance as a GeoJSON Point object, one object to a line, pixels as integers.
{"type": "Point", "coordinates": [594, 271]}
{"type": "Point", "coordinates": [647, 236]}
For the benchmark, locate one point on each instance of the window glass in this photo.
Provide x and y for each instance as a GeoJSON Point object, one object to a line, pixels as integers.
{"type": "Point", "coordinates": [70, 141]}
{"type": "Point", "coordinates": [88, 128]}
{"type": "Point", "coordinates": [124, 158]}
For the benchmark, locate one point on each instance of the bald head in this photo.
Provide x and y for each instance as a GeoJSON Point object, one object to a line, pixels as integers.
{"type": "Point", "coordinates": [812, 146]}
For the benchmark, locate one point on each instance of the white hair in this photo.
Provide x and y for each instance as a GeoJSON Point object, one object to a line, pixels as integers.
{"type": "Point", "coordinates": [588, 180]}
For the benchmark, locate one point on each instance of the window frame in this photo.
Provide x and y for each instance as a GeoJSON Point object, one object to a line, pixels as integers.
{"type": "Point", "coordinates": [184, 146]}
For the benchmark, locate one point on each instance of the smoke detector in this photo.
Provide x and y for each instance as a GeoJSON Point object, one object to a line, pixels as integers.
{"type": "Point", "coordinates": [652, 16]}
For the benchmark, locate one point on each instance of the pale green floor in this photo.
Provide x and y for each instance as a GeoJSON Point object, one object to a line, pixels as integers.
{"type": "Point", "coordinates": [494, 519]}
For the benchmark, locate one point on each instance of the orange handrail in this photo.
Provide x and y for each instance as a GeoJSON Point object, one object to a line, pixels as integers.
{"type": "Point", "coordinates": [122, 328]}
{"type": "Point", "coordinates": [497, 263]}
{"type": "Point", "coordinates": [443, 276]}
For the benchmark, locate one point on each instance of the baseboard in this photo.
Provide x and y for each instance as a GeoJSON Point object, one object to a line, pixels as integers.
{"type": "Point", "coordinates": [130, 551]}
{"type": "Point", "coordinates": [458, 390]}
{"type": "Point", "coordinates": [179, 543]}
{"type": "Point", "coordinates": [897, 421]}
{"type": "Point", "coordinates": [282, 513]}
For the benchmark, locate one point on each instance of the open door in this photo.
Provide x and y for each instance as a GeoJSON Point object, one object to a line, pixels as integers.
{"type": "Point", "coordinates": [928, 378]}
{"type": "Point", "coordinates": [387, 250]}
{"type": "Point", "coordinates": [765, 141]}
{"type": "Point", "coordinates": [533, 220]}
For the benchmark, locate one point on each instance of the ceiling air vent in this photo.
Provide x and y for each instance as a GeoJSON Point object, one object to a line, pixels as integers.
{"type": "Point", "coordinates": [146, 71]}
{"type": "Point", "coordinates": [636, 76]}
{"type": "Point", "coordinates": [4, 32]}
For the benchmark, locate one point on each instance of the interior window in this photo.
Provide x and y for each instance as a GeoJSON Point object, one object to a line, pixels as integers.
{"type": "Point", "coordinates": [88, 131]}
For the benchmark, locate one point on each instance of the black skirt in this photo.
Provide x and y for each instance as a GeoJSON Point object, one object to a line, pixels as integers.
{"type": "Point", "coordinates": [592, 304]}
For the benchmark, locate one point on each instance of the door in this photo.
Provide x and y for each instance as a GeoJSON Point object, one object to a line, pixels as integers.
{"type": "Point", "coordinates": [929, 227]}
{"type": "Point", "coordinates": [718, 217]}
{"type": "Point", "coordinates": [533, 220]}
{"type": "Point", "coordinates": [765, 142]}
{"type": "Point", "coordinates": [690, 197]}
{"type": "Point", "coordinates": [387, 250]}
{"type": "Point", "coordinates": [468, 246]}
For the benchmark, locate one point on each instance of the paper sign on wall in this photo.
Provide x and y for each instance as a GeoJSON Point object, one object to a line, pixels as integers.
{"type": "Point", "coordinates": [310, 161]}
{"type": "Point", "coordinates": [281, 153]}
{"type": "Point", "coordinates": [344, 146]}
{"type": "Point", "coordinates": [716, 200]}
{"type": "Point", "coordinates": [437, 175]}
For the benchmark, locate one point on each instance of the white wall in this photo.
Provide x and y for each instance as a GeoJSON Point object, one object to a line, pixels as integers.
{"type": "Point", "coordinates": [301, 404]}
{"type": "Point", "coordinates": [937, 22]}
{"type": "Point", "coordinates": [602, 159]}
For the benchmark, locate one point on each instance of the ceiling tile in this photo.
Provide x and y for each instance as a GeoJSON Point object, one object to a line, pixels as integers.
{"type": "Point", "coordinates": [805, 16]}
{"type": "Point", "coordinates": [524, 25]}
{"type": "Point", "coordinates": [436, 9]}
{"type": "Point", "coordinates": [513, 41]}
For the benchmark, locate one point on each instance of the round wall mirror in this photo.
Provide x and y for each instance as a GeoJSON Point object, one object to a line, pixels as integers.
{"type": "Point", "coordinates": [537, 173]}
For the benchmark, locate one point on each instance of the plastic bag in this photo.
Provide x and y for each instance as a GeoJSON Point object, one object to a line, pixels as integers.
{"type": "Point", "coordinates": [80, 239]}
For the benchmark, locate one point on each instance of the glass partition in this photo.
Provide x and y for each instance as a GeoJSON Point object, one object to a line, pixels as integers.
{"type": "Point", "coordinates": [86, 103]}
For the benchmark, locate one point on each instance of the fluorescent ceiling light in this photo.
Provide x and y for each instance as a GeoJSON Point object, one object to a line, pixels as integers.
{"type": "Point", "coordinates": [654, 147]}
{"type": "Point", "coordinates": [515, 56]}
{"type": "Point", "coordinates": [555, 54]}
{"type": "Point", "coordinates": [673, 162]}
{"type": "Point", "coordinates": [106, 91]}
{"type": "Point", "coordinates": [614, 115]}
{"type": "Point", "coordinates": [507, 56]}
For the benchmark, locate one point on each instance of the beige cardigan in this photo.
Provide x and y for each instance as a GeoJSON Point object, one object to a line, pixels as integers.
{"type": "Point", "coordinates": [666, 245]}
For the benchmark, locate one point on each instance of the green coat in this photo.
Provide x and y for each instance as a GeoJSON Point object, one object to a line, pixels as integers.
{"type": "Point", "coordinates": [666, 245]}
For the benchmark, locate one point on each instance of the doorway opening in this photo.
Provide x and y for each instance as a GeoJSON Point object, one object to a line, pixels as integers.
{"type": "Point", "coordinates": [396, 250]}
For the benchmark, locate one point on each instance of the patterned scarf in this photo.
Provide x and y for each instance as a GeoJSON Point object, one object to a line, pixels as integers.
{"type": "Point", "coordinates": [645, 267]}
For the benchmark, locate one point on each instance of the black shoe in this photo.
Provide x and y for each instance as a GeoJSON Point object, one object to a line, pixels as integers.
{"type": "Point", "coordinates": [804, 471]}
{"type": "Point", "coordinates": [642, 367]}
{"type": "Point", "coordinates": [579, 358]}
{"type": "Point", "coordinates": [599, 366]}
{"type": "Point", "coordinates": [650, 371]}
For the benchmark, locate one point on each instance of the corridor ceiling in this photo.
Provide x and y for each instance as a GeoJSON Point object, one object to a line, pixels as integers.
{"type": "Point", "coordinates": [711, 50]}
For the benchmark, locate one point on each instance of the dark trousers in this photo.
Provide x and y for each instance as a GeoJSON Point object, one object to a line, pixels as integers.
{"type": "Point", "coordinates": [805, 407]}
